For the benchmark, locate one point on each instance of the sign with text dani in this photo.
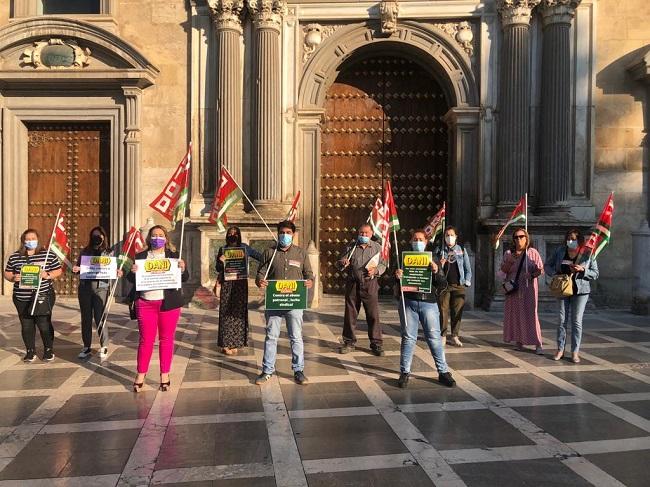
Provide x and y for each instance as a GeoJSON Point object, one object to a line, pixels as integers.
{"type": "Point", "coordinates": [417, 275]}
{"type": "Point", "coordinates": [286, 295]}
{"type": "Point", "coordinates": [29, 276]}
{"type": "Point", "coordinates": [235, 266]}
{"type": "Point", "coordinates": [98, 267]}
{"type": "Point", "coordinates": [155, 274]}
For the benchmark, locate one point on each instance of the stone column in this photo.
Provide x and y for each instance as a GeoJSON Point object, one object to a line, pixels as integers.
{"type": "Point", "coordinates": [133, 109]}
{"type": "Point", "coordinates": [266, 107]}
{"type": "Point", "coordinates": [514, 96]}
{"type": "Point", "coordinates": [226, 15]}
{"type": "Point", "coordinates": [556, 132]}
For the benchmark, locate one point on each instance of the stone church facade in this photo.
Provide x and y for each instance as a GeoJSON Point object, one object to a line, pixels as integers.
{"type": "Point", "coordinates": [458, 101]}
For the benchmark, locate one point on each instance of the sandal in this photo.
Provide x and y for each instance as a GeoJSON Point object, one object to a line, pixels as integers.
{"type": "Point", "coordinates": [137, 386]}
{"type": "Point", "coordinates": [164, 386]}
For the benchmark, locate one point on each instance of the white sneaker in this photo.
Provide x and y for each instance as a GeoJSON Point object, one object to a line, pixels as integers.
{"type": "Point", "coordinates": [456, 341]}
{"type": "Point", "coordinates": [103, 353]}
{"type": "Point", "coordinates": [85, 353]}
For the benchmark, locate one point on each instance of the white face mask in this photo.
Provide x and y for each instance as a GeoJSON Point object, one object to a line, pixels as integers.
{"type": "Point", "coordinates": [451, 240]}
{"type": "Point", "coordinates": [572, 244]}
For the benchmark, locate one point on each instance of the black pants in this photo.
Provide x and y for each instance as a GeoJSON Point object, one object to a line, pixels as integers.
{"type": "Point", "coordinates": [356, 294]}
{"type": "Point", "coordinates": [29, 324]}
{"type": "Point", "coordinates": [92, 300]}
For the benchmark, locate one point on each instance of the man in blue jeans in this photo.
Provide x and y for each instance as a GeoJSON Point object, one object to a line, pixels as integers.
{"type": "Point", "coordinates": [421, 308]}
{"type": "Point", "coordinates": [286, 262]}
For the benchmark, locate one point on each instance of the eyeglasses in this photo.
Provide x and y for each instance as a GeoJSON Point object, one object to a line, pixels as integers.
{"type": "Point", "coordinates": [517, 237]}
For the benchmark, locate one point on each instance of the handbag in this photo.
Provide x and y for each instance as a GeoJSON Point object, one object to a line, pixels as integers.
{"type": "Point", "coordinates": [44, 303]}
{"type": "Point", "coordinates": [511, 286]}
{"type": "Point", "coordinates": [561, 286]}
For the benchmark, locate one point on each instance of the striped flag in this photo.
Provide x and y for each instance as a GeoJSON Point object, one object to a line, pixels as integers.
{"type": "Point", "coordinates": [379, 224]}
{"type": "Point", "coordinates": [171, 203]}
{"type": "Point", "coordinates": [59, 241]}
{"type": "Point", "coordinates": [293, 211]}
{"type": "Point", "coordinates": [228, 194]}
{"type": "Point", "coordinates": [601, 234]}
{"type": "Point", "coordinates": [133, 244]}
{"type": "Point", "coordinates": [436, 223]}
{"type": "Point", "coordinates": [519, 214]}
{"type": "Point", "coordinates": [389, 203]}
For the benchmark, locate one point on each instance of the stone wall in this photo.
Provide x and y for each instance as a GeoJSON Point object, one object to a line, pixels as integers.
{"type": "Point", "coordinates": [620, 164]}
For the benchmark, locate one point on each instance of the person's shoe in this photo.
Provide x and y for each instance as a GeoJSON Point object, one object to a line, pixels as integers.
{"type": "Point", "coordinates": [519, 346]}
{"type": "Point", "coordinates": [48, 355]}
{"type": "Point", "coordinates": [346, 348]}
{"type": "Point", "coordinates": [103, 353]}
{"type": "Point", "coordinates": [84, 354]}
{"type": "Point", "coordinates": [403, 380]}
{"type": "Point", "coordinates": [558, 355]}
{"type": "Point", "coordinates": [300, 378]}
{"type": "Point", "coordinates": [263, 378]}
{"type": "Point", "coordinates": [164, 386]}
{"type": "Point", "coordinates": [446, 379]}
{"type": "Point", "coordinates": [455, 341]}
{"type": "Point", "coordinates": [377, 350]}
{"type": "Point", "coordinates": [30, 356]}
{"type": "Point", "coordinates": [539, 351]}
{"type": "Point", "coordinates": [575, 358]}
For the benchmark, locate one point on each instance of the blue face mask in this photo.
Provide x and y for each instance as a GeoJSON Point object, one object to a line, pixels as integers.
{"type": "Point", "coordinates": [418, 246]}
{"type": "Point", "coordinates": [285, 240]}
{"type": "Point", "coordinates": [362, 239]}
{"type": "Point", "coordinates": [31, 244]}
{"type": "Point", "coordinates": [572, 244]}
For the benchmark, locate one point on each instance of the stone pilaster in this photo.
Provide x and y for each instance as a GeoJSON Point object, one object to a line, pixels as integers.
{"type": "Point", "coordinates": [227, 19]}
{"type": "Point", "coordinates": [556, 133]}
{"type": "Point", "coordinates": [266, 107]}
{"type": "Point", "coordinates": [133, 110]}
{"type": "Point", "coordinates": [514, 122]}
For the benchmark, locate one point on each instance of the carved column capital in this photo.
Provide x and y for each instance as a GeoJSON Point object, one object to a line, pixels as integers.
{"type": "Point", "coordinates": [558, 11]}
{"type": "Point", "coordinates": [227, 14]}
{"type": "Point", "coordinates": [267, 14]}
{"type": "Point", "coordinates": [513, 12]}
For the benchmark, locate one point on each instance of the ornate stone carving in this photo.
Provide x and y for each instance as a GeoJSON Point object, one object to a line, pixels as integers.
{"type": "Point", "coordinates": [226, 14]}
{"type": "Point", "coordinates": [461, 32]}
{"type": "Point", "coordinates": [267, 13]}
{"type": "Point", "coordinates": [516, 11]}
{"type": "Point", "coordinates": [389, 12]}
{"type": "Point", "coordinates": [558, 11]}
{"type": "Point", "coordinates": [56, 54]}
{"type": "Point", "coordinates": [314, 35]}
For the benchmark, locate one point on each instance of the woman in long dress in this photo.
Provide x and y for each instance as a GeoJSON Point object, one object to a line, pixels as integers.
{"type": "Point", "coordinates": [520, 320]}
{"type": "Point", "coordinates": [233, 301]}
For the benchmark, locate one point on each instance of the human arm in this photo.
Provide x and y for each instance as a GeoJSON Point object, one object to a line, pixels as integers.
{"type": "Point", "coordinates": [307, 273]}
{"type": "Point", "coordinates": [538, 264]}
{"type": "Point", "coordinates": [220, 261]}
{"type": "Point", "coordinates": [468, 269]}
{"type": "Point", "coordinates": [588, 272]}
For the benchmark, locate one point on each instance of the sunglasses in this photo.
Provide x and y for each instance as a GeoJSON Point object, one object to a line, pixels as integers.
{"type": "Point", "coordinates": [517, 237]}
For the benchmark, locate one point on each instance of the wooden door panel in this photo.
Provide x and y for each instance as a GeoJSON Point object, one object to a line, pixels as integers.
{"type": "Point", "coordinates": [69, 169]}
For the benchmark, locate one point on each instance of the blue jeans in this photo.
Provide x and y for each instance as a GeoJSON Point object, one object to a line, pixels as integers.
{"type": "Point", "coordinates": [294, 328]}
{"type": "Point", "coordinates": [426, 313]}
{"type": "Point", "coordinates": [572, 307]}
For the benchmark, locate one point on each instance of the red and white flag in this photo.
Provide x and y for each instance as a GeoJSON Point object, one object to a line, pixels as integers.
{"type": "Point", "coordinates": [293, 211]}
{"type": "Point", "coordinates": [227, 194]}
{"type": "Point", "coordinates": [519, 214]}
{"type": "Point", "coordinates": [379, 223]}
{"type": "Point", "coordinates": [389, 203]}
{"type": "Point", "coordinates": [59, 241]}
{"type": "Point", "coordinates": [171, 203]}
{"type": "Point", "coordinates": [601, 234]}
{"type": "Point", "coordinates": [133, 244]}
{"type": "Point", "coordinates": [436, 223]}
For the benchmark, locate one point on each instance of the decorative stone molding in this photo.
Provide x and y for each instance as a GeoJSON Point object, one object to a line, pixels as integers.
{"type": "Point", "coordinates": [514, 12]}
{"type": "Point", "coordinates": [461, 32]}
{"type": "Point", "coordinates": [558, 11]}
{"type": "Point", "coordinates": [388, 12]}
{"type": "Point", "coordinates": [227, 14]}
{"type": "Point", "coordinates": [68, 53]}
{"type": "Point", "coordinates": [267, 14]}
{"type": "Point", "coordinates": [314, 35]}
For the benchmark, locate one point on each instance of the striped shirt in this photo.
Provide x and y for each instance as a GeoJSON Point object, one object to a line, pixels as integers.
{"type": "Point", "coordinates": [16, 261]}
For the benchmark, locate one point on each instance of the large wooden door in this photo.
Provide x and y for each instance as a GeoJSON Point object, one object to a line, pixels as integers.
{"type": "Point", "coordinates": [383, 121]}
{"type": "Point", "coordinates": [69, 168]}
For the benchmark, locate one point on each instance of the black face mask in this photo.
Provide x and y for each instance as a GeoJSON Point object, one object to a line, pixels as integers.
{"type": "Point", "coordinates": [96, 240]}
{"type": "Point", "coordinates": [231, 239]}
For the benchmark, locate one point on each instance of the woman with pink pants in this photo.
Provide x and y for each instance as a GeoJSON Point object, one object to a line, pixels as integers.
{"type": "Point", "coordinates": [157, 311]}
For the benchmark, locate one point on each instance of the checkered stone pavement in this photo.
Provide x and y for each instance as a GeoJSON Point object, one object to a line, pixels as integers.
{"type": "Point", "coordinates": [514, 419]}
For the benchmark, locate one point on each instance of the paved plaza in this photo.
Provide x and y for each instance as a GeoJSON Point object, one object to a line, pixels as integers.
{"type": "Point", "coordinates": [514, 419]}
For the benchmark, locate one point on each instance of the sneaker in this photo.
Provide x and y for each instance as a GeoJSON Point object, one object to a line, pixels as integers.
{"type": "Point", "coordinates": [377, 350]}
{"type": "Point", "coordinates": [300, 378]}
{"type": "Point", "coordinates": [84, 354]}
{"type": "Point", "coordinates": [30, 356]}
{"type": "Point", "coordinates": [455, 341]}
{"type": "Point", "coordinates": [539, 351]}
{"type": "Point", "coordinates": [263, 378]}
{"type": "Point", "coordinates": [48, 355]}
{"type": "Point", "coordinates": [346, 348]}
{"type": "Point", "coordinates": [446, 379]}
{"type": "Point", "coordinates": [103, 353]}
{"type": "Point", "coordinates": [403, 380]}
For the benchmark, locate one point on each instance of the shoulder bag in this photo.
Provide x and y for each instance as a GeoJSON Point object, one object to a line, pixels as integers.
{"type": "Point", "coordinates": [511, 286]}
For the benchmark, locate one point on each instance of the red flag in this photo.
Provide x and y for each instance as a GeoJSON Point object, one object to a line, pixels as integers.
{"type": "Point", "coordinates": [436, 223]}
{"type": "Point", "coordinates": [520, 213]}
{"type": "Point", "coordinates": [59, 241]}
{"type": "Point", "coordinates": [172, 201]}
{"type": "Point", "coordinates": [293, 211]}
{"type": "Point", "coordinates": [601, 234]}
{"type": "Point", "coordinates": [133, 244]}
{"type": "Point", "coordinates": [379, 223]}
{"type": "Point", "coordinates": [226, 195]}
{"type": "Point", "coordinates": [389, 203]}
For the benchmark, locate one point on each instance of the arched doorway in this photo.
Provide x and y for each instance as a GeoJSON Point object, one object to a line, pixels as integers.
{"type": "Point", "coordinates": [383, 121]}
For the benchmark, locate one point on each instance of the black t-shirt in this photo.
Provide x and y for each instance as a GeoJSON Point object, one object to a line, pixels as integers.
{"type": "Point", "coordinates": [451, 268]}
{"type": "Point", "coordinates": [16, 261]}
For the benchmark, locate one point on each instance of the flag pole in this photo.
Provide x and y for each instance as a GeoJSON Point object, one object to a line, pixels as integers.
{"type": "Point", "coordinates": [526, 203]}
{"type": "Point", "coordinates": [187, 200]}
{"type": "Point", "coordinates": [401, 291]}
{"type": "Point", "coordinates": [47, 256]}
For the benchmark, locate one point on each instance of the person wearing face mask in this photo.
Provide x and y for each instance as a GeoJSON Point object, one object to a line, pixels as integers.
{"type": "Point", "coordinates": [362, 266]}
{"type": "Point", "coordinates": [458, 271]}
{"type": "Point", "coordinates": [233, 300]}
{"type": "Point", "coordinates": [421, 308]}
{"type": "Point", "coordinates": [32, 253]}
{"type": "Point", "coordinates": [92, 294]}
{"type": "Point", "coordinates": [158, 311]}
{"type": "Point", "coordinates": [522, 267]}
{"type": "Point", "coordinates": [284, 261]}
{"type": "Point", "coordinates": [567, 260]}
